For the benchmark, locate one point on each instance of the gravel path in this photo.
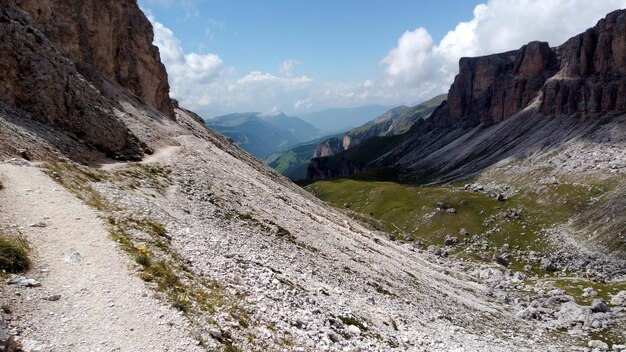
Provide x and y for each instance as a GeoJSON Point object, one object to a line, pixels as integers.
{"type": "Point", "coordinates": [157, 156]}
{"type": "Point", "coordinates": [102, 305]}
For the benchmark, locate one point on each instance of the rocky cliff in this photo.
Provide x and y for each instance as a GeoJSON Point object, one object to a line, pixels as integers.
{"type": "Point", "coordinates": [329, 147]}
{"type": "Point", "coordinates": [583, 77]}
{"type": "Point", "coordinates": [592, 72]}
{"type": "Point", "coordinates": [42, 89]}
{"type": "Point", "coordinates": [489, 89]}
{"type": "Point", "coordinates": [109, 40]}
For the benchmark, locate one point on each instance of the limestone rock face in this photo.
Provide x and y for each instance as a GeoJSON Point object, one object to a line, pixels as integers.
{"type": "Point", "coordinates": [37, 83]}
{"type": "Point", "coordinates": [489, 89]}
{"type": "Point", "coordinates": [592, 76]}
{"type": "Point", "coordinates": [108, 39]}
{"type": "Point", "coordinates": [585, 75]}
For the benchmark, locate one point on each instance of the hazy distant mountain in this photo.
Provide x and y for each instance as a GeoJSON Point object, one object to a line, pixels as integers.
{"type": "Point", "coordinates": [262, 135]}
{"type": "Point", "coordinates": [342, 119]}
{"type": "Point", "coordinates": [393, 122]}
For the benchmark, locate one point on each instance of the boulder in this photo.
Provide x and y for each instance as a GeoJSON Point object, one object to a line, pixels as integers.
{"type": "Point", "coordinates": [451, 240]}
{"type": "Point", "coordinates": [619, 299]}
{"type": "Point", "coordinates": [598, 345]}
{"type": "Point", "coordinates": [599, 306]}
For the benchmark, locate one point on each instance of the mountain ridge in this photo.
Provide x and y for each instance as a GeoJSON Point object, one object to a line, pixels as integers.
{"type": "Point", "coordinates": [393, 122]}
{"type": "Point", "coordinates": [327, 120]}
{"type": "Point", "coordinates": [575, 78]}
{"type": "Point", "coordinates": [264, 134]}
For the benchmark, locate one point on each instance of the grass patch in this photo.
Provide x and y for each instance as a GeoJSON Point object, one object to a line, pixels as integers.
{"type": "Point", "coordinates": [14, 253]}
{"type": "Point", "coordinates": [575, 287]}
{"type": "Point", "coordinates": [77, 179]}
{"type": "Point", "coordinates": [352, 321]}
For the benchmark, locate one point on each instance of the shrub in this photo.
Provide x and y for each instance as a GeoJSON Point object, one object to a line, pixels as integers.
{"type": "Point", "coordinates": [14, 254]}
{"type": "Point", "coordinates": [142, 259]}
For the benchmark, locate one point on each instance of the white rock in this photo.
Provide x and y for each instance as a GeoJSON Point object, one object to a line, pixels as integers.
{"type": "Point", "coordinates": [23, 281]}
{"type": "Point", "coordinates": [73, 258]}
{"type": "Point", "coordinates": [619, 299]}
{"type": "Point", "coordinates": [354, 330]}
{"type": "Point", "coordinates": [597, 344]}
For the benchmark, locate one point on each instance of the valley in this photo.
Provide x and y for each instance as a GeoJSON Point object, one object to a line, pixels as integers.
{"type": "Point", "coordinates": [490, 218]}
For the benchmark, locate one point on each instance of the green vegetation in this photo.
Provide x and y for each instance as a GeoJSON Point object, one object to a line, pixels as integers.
{"type": "Point", "coordinates": [575, 287]}
{"type": "Point", "coordinates": [14, 250]}
{"type": "Point", "coordinates": [352, 321]}
{"type": "Point", "coordinates": [294, 162]}
{"type": "Point", "coordinates": [410, 212]}
{"type": "Point", "coordinates": [78, 179]}
{"type": "Point", "coordinates": [162, 267]}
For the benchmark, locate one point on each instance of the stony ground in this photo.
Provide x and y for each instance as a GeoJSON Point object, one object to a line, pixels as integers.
{"type": "Point", "coordinates": [253, 262]}
{"type": "Point", "coordinates": [89, 298]}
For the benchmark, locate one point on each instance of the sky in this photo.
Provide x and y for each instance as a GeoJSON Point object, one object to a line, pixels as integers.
{"type": "Point", "coordinates": [299, 56]}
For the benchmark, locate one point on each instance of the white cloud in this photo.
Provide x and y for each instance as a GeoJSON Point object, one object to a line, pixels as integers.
{"type": "Point", "coordinates": [416, 69]}
{"type": "Point", "coordinates": [274, 111]}
{"type": "Point", "coordinates": [286, 67]}
{"type": "Point", "coordinates": [202, 82]}
{"type": "Point", "coordinates": [185, 70]}
{"type": "Point", "coordinates": [426, 68]}
{"type": "Point", "coordinates": [303, 104]}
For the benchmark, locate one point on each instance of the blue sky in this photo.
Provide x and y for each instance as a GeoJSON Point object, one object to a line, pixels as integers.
{"type": "Point", "coordinates": [332, 40]}
{"type": "Point", "coordinates": [304, 55]}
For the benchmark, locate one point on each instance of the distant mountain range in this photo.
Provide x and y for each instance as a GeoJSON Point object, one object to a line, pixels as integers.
{"type": "Point", "coordinates": [343, 119]}
{"type": "Point", "coordinates": [293, 163]}
{"type": "Point", "coordinates": [392, 123]}
{"type": "Point", "coordinates": [263, 134]}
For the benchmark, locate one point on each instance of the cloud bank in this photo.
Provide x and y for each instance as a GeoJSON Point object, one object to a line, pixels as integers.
{"type": "Point", "coordinates": [416, 69]}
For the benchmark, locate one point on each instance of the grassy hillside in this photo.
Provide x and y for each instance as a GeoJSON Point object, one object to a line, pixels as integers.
{"type": "Point", "coordinates": [411, 212]}
{"type": "Point", "coordinates": [294, 162]}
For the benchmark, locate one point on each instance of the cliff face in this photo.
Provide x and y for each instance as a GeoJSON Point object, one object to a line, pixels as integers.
{"type": "Point", "coordinates": [329, 147]}
{"type": "Point", "coordinates": [592, 74]}
{"type": "Point", "coordinates": [108, 39]}
{"type": "Point", "coordinates": [489, 89]}
{"type": "Point", "coordinates": [38, 84]}
{"type": "Point", "coordinates": [585, 75]}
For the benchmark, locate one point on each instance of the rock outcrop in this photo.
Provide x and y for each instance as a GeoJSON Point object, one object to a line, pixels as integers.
{"type": "Point", "coordinates": [490, 89]}
{"type": "Point", "coordinates": [329, 147]}
{"type": "Point", "coordinates": [109, 40]}
{"type": "Point", "coordinates": [592, 75]}
{"type": "Point", "coordinates": [37, 83]}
